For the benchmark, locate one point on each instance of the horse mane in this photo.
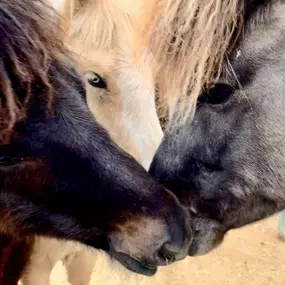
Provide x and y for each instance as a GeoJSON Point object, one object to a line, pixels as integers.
{"type": "Point", "coordinates": [97, 24]}
{"type": "Point", "coordinates": [30, 41]}
{"type": "Point", "coordinates": [189, 40]}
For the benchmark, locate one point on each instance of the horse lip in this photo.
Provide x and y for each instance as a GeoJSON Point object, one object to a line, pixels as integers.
{"type": "Point", "coordinates": [134, 265]}
{"type": "Point", "coordinates": [192, 250]}
{"type": "Point", "coordinates": [215, 241]}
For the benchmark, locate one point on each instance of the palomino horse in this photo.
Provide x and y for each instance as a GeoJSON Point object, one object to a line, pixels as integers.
{"type": "Point", "coordinates": [227, 164]}
{"type": "Point", "coordinates": [120, 94]}
{"type": "Point", "coordinates": [60, 174]}
{"type": "Point", "coordinates": [120, 88]}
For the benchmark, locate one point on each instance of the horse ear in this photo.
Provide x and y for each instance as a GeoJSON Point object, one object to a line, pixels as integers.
{"type": "Point", "coordinates": [66, 10]}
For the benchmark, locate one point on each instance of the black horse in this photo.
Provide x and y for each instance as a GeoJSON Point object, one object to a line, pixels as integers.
{"type": "Point", "coordinates": [227, 165]}
{"type": "Point", "coordinates": [60, 173]}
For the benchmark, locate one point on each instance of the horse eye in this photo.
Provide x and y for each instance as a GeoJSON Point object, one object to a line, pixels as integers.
{"type": "Point", "coordinates": [218, 94]}
{"type": "Point", "coordinates": [95, 80]}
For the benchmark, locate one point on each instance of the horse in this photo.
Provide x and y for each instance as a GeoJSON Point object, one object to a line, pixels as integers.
{"type": "Point", "coordinates": [121, 96]}
{"type": "Point", "coordinates": [103, 35]}
{"type": "Point", "coordinates": [60, 173]}
{"type": "Point", "coordinates": [223, 154]}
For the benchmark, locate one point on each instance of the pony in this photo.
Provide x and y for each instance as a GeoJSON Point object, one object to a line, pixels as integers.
{"type": "Point", "coordinates": [60, 173]}
{"type": "Point", "coordinates": [102, 34]}
{"type": "Point", "coordinates": [223, 154]}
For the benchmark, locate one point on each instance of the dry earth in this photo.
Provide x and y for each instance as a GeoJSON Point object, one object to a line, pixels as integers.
{"type": "Point", "coordinates": [252, 255]}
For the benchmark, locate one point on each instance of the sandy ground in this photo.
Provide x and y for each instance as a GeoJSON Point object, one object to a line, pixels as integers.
{"type": "Point", "coordinates": [249, 256]}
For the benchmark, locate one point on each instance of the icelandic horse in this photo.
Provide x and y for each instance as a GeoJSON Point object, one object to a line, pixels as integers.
{"type": "Point", "coordinates": [61, 175]}
{"type": "Point", "coordinates": [224, 153]}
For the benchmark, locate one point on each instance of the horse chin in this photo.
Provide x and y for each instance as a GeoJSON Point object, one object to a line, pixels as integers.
{"type": "Point", "coordinates": [134, 265]}
{"type": "Point", "coordinates": [208, 235]}
{"type": "Point", "coordinates": [199, 247]}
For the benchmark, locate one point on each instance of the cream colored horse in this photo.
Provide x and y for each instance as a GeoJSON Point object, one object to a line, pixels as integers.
{"type": "Point", "coordinates": [121, 95]}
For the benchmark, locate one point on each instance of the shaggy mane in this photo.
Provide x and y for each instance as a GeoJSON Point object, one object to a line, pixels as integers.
{"type": "Point", "coordinates": [29, 42]}
{"type": "Point", "coordinates": [189, 40]}
{"type": "Point", "coordinates": [97, 24]}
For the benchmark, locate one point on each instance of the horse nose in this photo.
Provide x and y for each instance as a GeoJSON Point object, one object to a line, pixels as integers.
{"type": "Point", "coordinates": [170, 253]}
{"type": "Point", "coordinates": [177, 247]}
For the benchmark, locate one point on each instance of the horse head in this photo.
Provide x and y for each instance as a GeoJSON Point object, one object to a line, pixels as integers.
{"type": "Point", "coordinates": [60, 174]}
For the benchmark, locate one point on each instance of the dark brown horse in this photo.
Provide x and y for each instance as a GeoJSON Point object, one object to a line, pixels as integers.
{"type": "Point", "coordinates": [60, 174]}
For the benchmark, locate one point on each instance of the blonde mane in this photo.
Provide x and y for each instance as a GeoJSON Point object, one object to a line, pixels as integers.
{"type": "Point", "coordinates": [97, 24]}
{"type": "Point", "coordinates": [189, 40]}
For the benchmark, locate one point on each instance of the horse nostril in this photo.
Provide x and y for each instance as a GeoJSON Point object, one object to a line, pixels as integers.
{"type": "Point", "coordinates": [166, 255]}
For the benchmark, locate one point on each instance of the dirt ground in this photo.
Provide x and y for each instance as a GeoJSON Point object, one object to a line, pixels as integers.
{"type": "Point", "coordinates": [249, 256]}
